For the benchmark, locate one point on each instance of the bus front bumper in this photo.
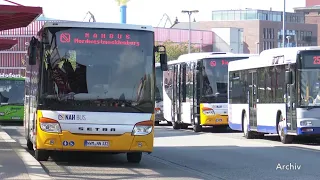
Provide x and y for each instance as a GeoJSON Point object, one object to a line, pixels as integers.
{"type": "Point", "coordinates": [67, 141]}
{"type": "Point", "coordinates": [214, 120]}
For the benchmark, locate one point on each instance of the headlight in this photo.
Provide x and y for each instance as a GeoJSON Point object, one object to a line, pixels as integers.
{"type": "Point", "coordinates": [50, 125]}
{"type": "Point", "coordinates": [142, 128]}
{"type": "Point", "coordinates": [306, 123]}
{"type": "Point", "coordinates": [207, 111]}
{"type": "Point", "coordinates": [157, 110]}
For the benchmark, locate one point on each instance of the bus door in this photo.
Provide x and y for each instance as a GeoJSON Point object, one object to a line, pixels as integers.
{"type": "Point", "coordinates": [252, 81]}
{"type": "Point", "coordinates": [176, 107]}
{"type": "Point", "coordinates": [291, 103]}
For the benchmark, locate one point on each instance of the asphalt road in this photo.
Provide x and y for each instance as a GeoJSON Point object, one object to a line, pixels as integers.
{"type": "Point", "coordinates": [183, 154]}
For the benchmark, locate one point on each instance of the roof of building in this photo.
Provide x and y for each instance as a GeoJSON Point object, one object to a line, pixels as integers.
{"type": "Point", "coordinates": [202, 25]}
{"type": "Point", "coordinates": [12, 17]}
{"type": "Point", "coordinates": [17, 16]}
{"type": "Point", "coordinates": [43, 18]}
{"type": "Point", "coordinates": [307, 9]}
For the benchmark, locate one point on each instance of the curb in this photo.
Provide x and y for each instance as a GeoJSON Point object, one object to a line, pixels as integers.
{"type": "Point", "coordinates": [34, 168]}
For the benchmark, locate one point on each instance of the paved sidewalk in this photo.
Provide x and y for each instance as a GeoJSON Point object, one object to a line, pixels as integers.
{"type": "Point", "coordinates": [16, 163]}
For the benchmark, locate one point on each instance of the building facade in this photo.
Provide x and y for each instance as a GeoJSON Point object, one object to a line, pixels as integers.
{"type": "Point", "coordinates": [262, 29]}
{"type": "Point", "coordinates": [16, 56]}
{"type": "Point", "coordinates": [310, 3]}
{"type": "Point", "coordinates": [312, 15]}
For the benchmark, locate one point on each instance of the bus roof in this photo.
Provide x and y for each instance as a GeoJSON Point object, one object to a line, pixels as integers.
{"type": "Point", "coordinates": [286, 56]}
{"type": "Point", "coordinates": [197, 56]}
{"type": "Point", "coordinates": [97, 25]}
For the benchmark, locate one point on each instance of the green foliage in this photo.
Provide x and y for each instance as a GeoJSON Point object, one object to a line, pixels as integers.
{"type": "Point", "coordinates": [174, 50]}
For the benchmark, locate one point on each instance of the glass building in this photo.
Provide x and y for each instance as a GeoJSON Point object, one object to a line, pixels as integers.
{"type": "Point", "coordinates": [249, 14]}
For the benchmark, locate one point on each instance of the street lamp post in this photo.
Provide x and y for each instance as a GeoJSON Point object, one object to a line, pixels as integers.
{"type": "Point", "coordinates": [189, 14]}
{"type": "Point", "coordinates": [288, 38]}
{"type": "Point", "coordinates": [284, 23]}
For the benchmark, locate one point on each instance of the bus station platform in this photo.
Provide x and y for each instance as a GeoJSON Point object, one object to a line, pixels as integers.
{"type": "Point", "coordinates": [16, 163]}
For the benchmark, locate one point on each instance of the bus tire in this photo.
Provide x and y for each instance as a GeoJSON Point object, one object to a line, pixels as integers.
{"type": "Point", "coordinates": [197, 128]}
{"type": "Point", "coordinates": [29, 145]}
{"type": "Point", "coordinates": [176, 125]}
{"type": "Point", "coordinates": [246, 133]}
{"type": "Point", "coordinates": [184, 126]}
{"type": "Point", "coordinates": [284, 138]}
{"type": "Point", "coordinates": [41, 155]}
{"type": "Point", "coordinates": [134, 157]}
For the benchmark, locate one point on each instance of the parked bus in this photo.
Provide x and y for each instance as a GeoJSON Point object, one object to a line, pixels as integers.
{"type": "Point", "coordinates": [82, 98]}
{"type": "Point", "coordinates": [159, 96]}
{"type": "Point", "coordinates": [195, 89]}
{"type": "Point", "coordinates": [11, 94]}
{"type": "Point", "coordinates": [277, 92]}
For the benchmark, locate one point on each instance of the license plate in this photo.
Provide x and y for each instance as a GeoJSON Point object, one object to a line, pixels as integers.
{"type": "Point", "coordinates": [218, 120]}
{"type": "Point", "coordinates": [96, 143]}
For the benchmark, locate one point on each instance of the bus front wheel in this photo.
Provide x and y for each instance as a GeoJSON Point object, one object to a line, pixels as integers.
{"type": "Point", "coordinates": [134, 157]}
{"type": "Point", "coordinates": [176, 125]}
{"type": "Point", "coordinates": [29, 145]}
{"type": "Point", "coordinates": [197, 128]}
{"type": "Point", "coordinates": [41, 155]}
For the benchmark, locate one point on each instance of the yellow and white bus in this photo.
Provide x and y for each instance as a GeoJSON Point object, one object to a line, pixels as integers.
{"type": "Point", "coordinates": [92, 89]}
{"type": "Point", "coordinates": [195, 89]}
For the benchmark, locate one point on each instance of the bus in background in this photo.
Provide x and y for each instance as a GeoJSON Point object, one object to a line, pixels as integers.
{"type": "Point", "coordinates": [276, 93]}
{"type": "Point", "coordinates": [79, 96]}
{"type": "Point", "coordinates": [159, 96]}
{"type": "Point", "coordinates": [195, 89]}
{"type": "Point", "coordinates": [11, 94]}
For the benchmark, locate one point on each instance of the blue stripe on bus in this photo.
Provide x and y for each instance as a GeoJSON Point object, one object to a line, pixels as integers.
{"type": "Point", "coordinates": [272, 129]}
{"type": "Point", "coordinates": [265, 129]}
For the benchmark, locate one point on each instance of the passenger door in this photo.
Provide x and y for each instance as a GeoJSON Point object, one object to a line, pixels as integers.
{"type": "Point", "coordinates": [253, 98]}
{"type": "Point", "coordinates": [291, 103]}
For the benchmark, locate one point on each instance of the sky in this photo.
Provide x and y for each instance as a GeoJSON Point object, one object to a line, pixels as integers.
{"type": "Point", "coordinates": [149, 12]}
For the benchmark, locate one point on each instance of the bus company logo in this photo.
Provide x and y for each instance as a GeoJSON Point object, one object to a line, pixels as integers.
{"type": "Point", "coordinates": [67, 117]}
{"type": "Point", "coordinates": [60, 117]}
{"type": "Point", "coordinates": [71, 117]}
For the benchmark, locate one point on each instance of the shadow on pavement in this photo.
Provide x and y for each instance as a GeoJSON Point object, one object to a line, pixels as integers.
{"type": "Point", "coordinates": [244, 162]}
{"type": "Point", "coordinates": [169, 131]}
{"type": "Point", "coordinates": [226, 162]}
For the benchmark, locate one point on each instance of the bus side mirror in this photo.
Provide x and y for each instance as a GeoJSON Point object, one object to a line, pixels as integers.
{"type": "Point", "coordinates": [288, 77]}
{"type": "Point", "coordinates": [164, 62]}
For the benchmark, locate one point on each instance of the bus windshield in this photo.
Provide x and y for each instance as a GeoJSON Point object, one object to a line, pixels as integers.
{"type": "Point", "coordinates": [11, 92]}
{"type": "Point", "coordinates": [99, 69]}
{"type": "Point", "coordinates": [310, 80]}
{"type": "Point", "coordinates": [215, 79]}
{"type": "Point", "coordinates": [159, 78]}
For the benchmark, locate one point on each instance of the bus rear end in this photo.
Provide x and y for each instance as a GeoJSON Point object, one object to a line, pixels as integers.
{"type": "Point", "coordinates": [87, 100]}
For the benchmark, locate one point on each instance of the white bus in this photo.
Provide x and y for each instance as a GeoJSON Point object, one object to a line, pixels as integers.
{"type": "Point", "coordinates": [276, 93]}
{"type": "Point", "coordinates": [195, 90]}
{"type": "Point", "coordinates": [159, 96]}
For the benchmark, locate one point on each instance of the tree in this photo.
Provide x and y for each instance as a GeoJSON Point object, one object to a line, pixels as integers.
{"type": "Point", "coordinates": [174, 50]}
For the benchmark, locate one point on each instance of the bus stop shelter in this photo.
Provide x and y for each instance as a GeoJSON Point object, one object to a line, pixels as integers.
{"type": "Point", "coordinates": [17, 16]}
